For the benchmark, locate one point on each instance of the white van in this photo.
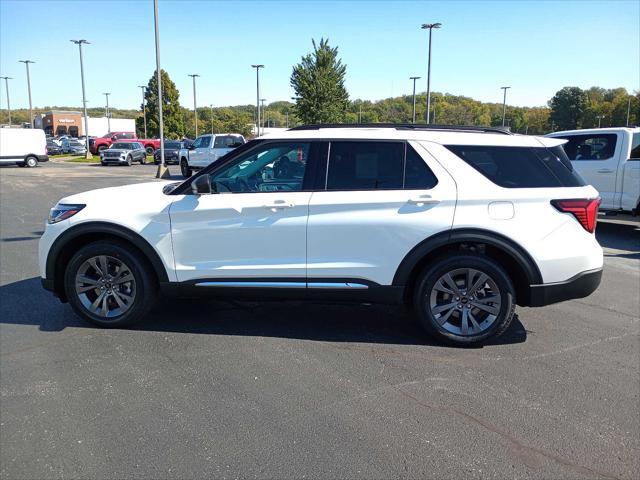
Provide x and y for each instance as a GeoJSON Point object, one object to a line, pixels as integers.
{"type": "Point", "coordinates": [24, 147]}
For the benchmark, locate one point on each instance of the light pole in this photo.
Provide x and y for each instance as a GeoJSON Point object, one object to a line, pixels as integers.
{"type": "Point", "coordinates": [195, 111]}
{"type": "Point", "coordinates": [211, 118]}
{"type": "Point", "coordinates": [84, 97]}
{"type": "Point", "coordinates": [6, 84]}
{"type": "Point", "coordinates": [504, 104]}
{"type": "Point", "coordinates": [257, 67]}
{"type": "Point", "coordinates": [106, 95]}
{"type": "Point", "coordinates": [163, 171]}
{"type": "Point", "coordinates": [599, 117]}
{"type": "Point", "coordinates": [628, 108]}
{"type": "Point", "coordinates": [414, 97]}
{"type": "Point", "coordinates": [144, 110]}
{"type": "Point", "coordinates": [430, 27]}
{"type": "Point", "coordinates": [26, 63]}
{"type": "Point", "coordinates": [263, 110]}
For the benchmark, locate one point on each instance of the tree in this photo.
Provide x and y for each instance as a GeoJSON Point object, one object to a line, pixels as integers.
{"type": "Point", "coordinates": [568, 106]}
{"type": "Point", "coordinates": [318, 81]}
{"type": "Point", "coordinates": [171, 114]}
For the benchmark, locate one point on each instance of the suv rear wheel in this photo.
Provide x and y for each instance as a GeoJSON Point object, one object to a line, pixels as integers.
{"type": "Point", "coordinates": [109, 285]}
{"type": "Point", "coordinates": [464, 299]}
{"type": "Point", "coordinates": [31, 161]}
{"type": "Point", "coordinates": [184, 168]}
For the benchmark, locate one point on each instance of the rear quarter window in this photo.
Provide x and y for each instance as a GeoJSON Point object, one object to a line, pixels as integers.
{"type": "Point", "coordinates": [519, 167]}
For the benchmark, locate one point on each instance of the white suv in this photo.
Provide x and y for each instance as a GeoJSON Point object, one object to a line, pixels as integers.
{"type": "Point", "coordinates": [460, 223]}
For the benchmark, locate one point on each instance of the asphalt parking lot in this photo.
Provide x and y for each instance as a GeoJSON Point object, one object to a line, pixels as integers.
{"type": "Point", "coordinates": [294, 390]}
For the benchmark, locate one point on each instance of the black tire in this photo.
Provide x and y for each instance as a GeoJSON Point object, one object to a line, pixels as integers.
{"type": "Point", "coordinates": [103, 164]}
{"type": "Point", "coordinates": [150, 150]}
{"type": "Point", "coordinates": [185, 169]}
{"type": "Point", "coordinates": [21, 164]}
{"type": "Point", "coordinates": [424, 295]}
{"type": "Point", "coordinates": [128, 160]}
{"type": "Point", "coordinates": [146, 287]}
{"type": "Point", "coordinates": [31, 161]}
{"type": "Point", "coordinates": [143, 160]}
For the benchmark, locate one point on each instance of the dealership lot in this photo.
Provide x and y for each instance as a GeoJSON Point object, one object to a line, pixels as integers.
{"type": "Point", "coordinates": [272, 390]}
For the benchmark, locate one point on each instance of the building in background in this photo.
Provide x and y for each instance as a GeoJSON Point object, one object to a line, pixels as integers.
{"type": "Point", "coordinates": [62, 122]}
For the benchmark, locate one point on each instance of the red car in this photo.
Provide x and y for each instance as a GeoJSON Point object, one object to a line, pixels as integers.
{"type": "Point", "coordinates": [96, 145]}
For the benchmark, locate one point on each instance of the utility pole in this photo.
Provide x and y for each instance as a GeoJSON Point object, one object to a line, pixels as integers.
{"type": "Point", "coordinates": [504, 104]}
{"type": "Point", "coordinates": [6, 84]}
{"type": "Point", "coordinates": [257, 67]}
{"type": "Point", "coordinates": [414, 98]}
{"type": "Point", "coordinates": [108, 113]}
{"type": "Point", "coordinates": [211, 118]}
{"type": "Point", "coordinates": [26, 63]}
{"type": "Point", "coordinates": [144, 109]}
{"type": "Point", "coordinates": [87, 155]}
{"type": "Point", "coordinates": [163, 171]}
{"type": "Point", "coordinates": [195, 111]}
{"type": "Point", "coordinates": [430, 27]}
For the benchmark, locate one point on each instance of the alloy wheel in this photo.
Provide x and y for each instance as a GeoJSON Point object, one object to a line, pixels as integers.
{"type": "Point", "coordinates": [465, 301]}
{"type": "Point", "coordinates": [105, 286]}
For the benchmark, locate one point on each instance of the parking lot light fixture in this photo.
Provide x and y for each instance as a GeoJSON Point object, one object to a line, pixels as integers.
{"type": "Point", "coordinates": [504, 104]}
{"type": "Point", "coordinates": [144, 109]}
{"type": "Point", "coordinates": [257, 67]}
{"type": "Point", "coordinates": [195, 111]}
{"type": "Point", "coordinates": [26, 63]}
{"type": "Point", "coordinates": [414, 97]}
{"type": "Point", "coordinates": [87, 155]}
{"type": "Point", "coordinates": [6, 84]}
{"type": "Point", "coordinates": [430, 27]}
{"type": "Point", "coordinates": [107, 112]}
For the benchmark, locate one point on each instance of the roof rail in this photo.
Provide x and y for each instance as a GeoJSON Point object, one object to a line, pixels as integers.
{"type": "Point", "coordinates": [407, 126]}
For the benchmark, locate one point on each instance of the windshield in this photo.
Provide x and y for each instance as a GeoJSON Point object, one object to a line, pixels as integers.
{"type": "Point", "coordinates": [121, 146]}
{"type": "Point", "coordinates": [172, 145]}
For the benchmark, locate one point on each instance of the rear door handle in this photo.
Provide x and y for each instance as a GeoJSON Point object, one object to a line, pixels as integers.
{"type": "Point", "coordinates": [423, 200]}
{"type": "Point", "coordinates": [278, 204]}
{"type": "Point", "coordinates": [605, 170]}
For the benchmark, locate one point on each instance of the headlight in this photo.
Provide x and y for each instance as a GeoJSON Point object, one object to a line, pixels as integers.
{"type": "Point", "coordinates": [63, 211]}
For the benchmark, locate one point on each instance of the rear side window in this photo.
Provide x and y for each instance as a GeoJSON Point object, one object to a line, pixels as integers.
{"type": "Point", "coordinates": [519, 167]}
{"type": "Point", "coordinates": [365, 166]}
{"type": "Point", "coordinates": [599, 146]}
{"type": "Point", "coordinates": [635, 147]}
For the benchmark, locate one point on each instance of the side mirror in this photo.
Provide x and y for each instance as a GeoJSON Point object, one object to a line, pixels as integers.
{"type": "Point", "coordinates": [201, 185]}
{"type": "Point", "coordinates": [191, 147]}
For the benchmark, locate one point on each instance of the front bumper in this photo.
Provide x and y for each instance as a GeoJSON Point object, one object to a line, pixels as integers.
{"type": "Point", "coordinates": [579, 286]}
{"type": "Point", "coordinates": [115, 161]}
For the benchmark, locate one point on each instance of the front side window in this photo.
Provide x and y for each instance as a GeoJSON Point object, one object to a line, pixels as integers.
{"type": "Point", "coordinates": [519, 167]}
{"type": "Point", "coordinates": [600, 146]}
{"type": "Point", "coordinates": [272, 167]}
{"type": "Point", "coordinates": [205, 141]}
{"type": "Point", "coordinates": [365, 166]}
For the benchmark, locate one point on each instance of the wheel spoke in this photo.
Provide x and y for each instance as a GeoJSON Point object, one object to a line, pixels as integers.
{"type": "Point", "coordinates": [450, 283]}
{"type": "Point", "coordinates": [105, 306]}
{"type": "Point", "coordinates": [118, 300]}
{"type": "Point", "coordinates": [487, 299]}
{"type": "Point", "coordinates": [439, 286]}
{"type": "Point", "coordinates": [464, 322]}
{"type": "Point", "coordinates": [442, 308]}
{"type": "Point", "coordinates": [94, 264]}
{"type": "Point", "coordinates": [85, 288]}
{"type": "Point", "coordinates": [479, 283]}
{"type": "Point", "coordinates": [104, 265]}
{"type": "Point", "coordinates": [124, 279]}
{"type": "Point", "coordinates": [96, 303]}
{"type": "Point", "coordinates": [492, 309]}
{"type": "Point", "coordinates": [475, 327]}
{"type": "Point", "coordinates": [442, 319]}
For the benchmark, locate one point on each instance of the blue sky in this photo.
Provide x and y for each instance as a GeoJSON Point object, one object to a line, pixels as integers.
{"type": "Point", "coordinates": [535, 47]}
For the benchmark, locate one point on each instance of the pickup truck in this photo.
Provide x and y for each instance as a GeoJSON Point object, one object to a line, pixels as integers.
{"type": "Point", "coordinates": [207, 149]}
{"type": "Point", "coordinates": [96, 145]}
{"type": "Point", "coordinates": [609, 160]}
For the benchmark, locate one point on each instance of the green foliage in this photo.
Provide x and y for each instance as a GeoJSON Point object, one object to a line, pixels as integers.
{"type": "Point", "coordinates": [568, 107]}
{"type": "Point", "coordinates": [171, 112]}
{"type": "Point", "coordinates": [318, 81]}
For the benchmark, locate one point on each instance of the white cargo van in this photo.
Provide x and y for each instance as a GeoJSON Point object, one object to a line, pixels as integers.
{"type": "Point", "coordinates": [24, 147]}
{"type": "Point", "coordinates": [608, 159]}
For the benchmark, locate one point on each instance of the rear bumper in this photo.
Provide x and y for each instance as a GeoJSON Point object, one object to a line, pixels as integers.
{"type": "Point", "coordinates": [580, 286]}
{"type": "Point", "coordinates": [43, 158]}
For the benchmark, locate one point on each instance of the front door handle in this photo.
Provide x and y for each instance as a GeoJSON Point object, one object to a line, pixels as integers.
{"type": "Point", "coordinates": [278, 204]}
{"type": "Point", "coordinates": [605, 170]}
{"type": "Point", "coordinates": [423, 200]}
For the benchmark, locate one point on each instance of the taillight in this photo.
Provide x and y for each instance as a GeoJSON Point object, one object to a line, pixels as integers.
{"type": "Point", "coordinates": [585, 211]}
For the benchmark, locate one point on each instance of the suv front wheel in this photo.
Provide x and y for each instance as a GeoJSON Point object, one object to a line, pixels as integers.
{"type": "Point", "coordinates": [109, 285]}
{"type": "Point", "coordinates": [464, 299]}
